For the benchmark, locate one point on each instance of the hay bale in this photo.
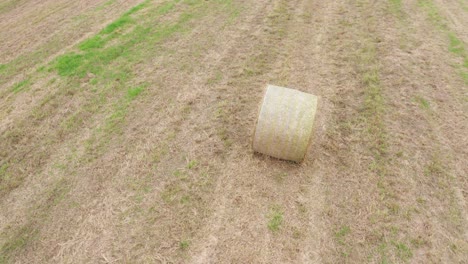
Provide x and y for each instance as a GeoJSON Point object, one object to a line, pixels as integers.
{"type": "Point", "coordinates": [285, 123]}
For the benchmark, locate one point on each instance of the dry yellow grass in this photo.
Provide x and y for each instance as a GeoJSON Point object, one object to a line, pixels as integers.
{"type": "Point", "coordinates": [144, 154]}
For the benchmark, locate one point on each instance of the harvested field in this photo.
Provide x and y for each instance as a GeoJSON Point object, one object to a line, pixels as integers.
{"type": "Point", "coordinates": [125, 131]}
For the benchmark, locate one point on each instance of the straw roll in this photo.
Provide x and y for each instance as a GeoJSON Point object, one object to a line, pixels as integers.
{"type": "Point", "coordinates": [285, 123]}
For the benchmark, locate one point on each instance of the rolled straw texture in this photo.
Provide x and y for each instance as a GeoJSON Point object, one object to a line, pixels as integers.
{"type": "Point", "coordinates": [285, 123]}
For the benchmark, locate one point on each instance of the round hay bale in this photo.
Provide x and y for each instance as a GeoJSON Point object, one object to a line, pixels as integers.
{"type": "Point", "coordinates": [285, 123]}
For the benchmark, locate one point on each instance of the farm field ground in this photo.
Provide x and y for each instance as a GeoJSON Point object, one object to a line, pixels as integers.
{"type": "Point", "coordinates": [125, 131]}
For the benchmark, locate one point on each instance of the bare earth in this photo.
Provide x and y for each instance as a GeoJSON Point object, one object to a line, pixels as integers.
{"type": "Point", "coordinates": [146, 157]}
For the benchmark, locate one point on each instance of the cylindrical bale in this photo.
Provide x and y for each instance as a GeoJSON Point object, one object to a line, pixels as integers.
{"type": "Point", "coordinates": [285, 123]}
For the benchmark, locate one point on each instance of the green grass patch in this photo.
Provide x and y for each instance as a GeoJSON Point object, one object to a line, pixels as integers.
{"type": "Point", "coordinates": [423, 103]}
{"type": "Point", "coordinates": [178, 173]}
{"type": "Point", "coordinates": [136, 8]}
{"type": "Point", "coordinates": [140, 186]}
{"type": "Point", "coordinates": [134, 92]}
{"type": "Point", "coordinates": [382, 250]}
{"type": "Point", "coordinates": [74, 64]}
{"type": "Point", "coordinates": [373, 117]}
{"type": "Point", "coordinates": [456, 45]}
{"type": "Point", "coordinates": [114, 119]}
{"type": "Point", "coordinates": [185, 199]}
{"type": "Point", "coordinates": [438, 172]}
{"type": "Point", "coordinates": [22, 237]}
{"type": "Point", "coordinates": [124, 19]}
{"type": "Point", "coordinates": [184, 245]}
{"type": "Point", "coordinates": [464, 75]}
{"type": "Point", "coordinates": [18, 87]}
{"type": "Point", "coordinates": [95, 55]}
{"type": "Point", "coordinates": [215, 79]}
{"type": "Point", "coordinates": [192, 164]}
{"type": "Point", "coordinates": [68, 64]}
{"type": "Point", "coordinates": [341, 234]}
{"type": "Point", "coordinates": [276, 219]}
{"type": "Point", "coordinates": [110, 57]}
{"type": "Point", "coordinates": [403, 251]}
{"type": "Point", "coordinates": [434, 168]}
{"type": "Point", "coordinates": [116, 24]}
{"type": "Point", "coordinates": [374, 107]}
{"type": "Point", "coordinates": [3, 170]}
{"type": "Point", "coordinates": [95, 42]}
{"type": "Point", "coordinates": [433, 13]}
{"type": "Point", "coordinates": [112, 67]}
{"type": "Point", "coordinates": [165, 8]}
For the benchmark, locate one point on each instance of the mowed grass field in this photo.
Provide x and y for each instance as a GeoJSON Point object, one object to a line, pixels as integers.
{"type": "Point", "coordinates": [125, 131]}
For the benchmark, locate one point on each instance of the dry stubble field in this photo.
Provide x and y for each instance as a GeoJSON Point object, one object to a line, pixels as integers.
{"type": "Point", "coordinates": [125, 131]}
